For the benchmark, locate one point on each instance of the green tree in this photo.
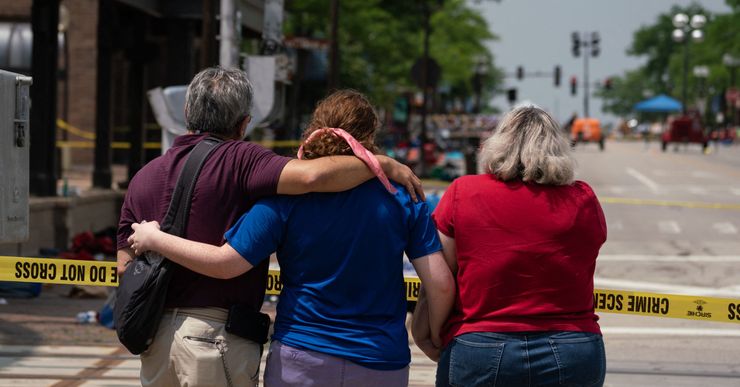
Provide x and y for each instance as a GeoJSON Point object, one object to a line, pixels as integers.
{"type": "Point", "coordinates": [379, 41]}
{"type": "Point", "coordinates": [663, 70]}
{"type": "Point", "coordinates": [655, 42]}
{"type": "Point", "coordinates": [625, 92]}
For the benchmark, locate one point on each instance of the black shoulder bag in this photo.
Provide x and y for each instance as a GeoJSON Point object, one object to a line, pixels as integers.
{"type": "Point", "coordinates": [142, 288]}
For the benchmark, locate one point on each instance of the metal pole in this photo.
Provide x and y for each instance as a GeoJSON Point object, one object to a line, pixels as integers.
{"type": "Point", "coordinates": [425, 86]}
{"type": "Point", "coordinates": [684, 89]}
{"type": "Point", "coordinates": [44, 22]}
{"type": "Point", "coordinates": [334, 49]}
{"type": "Point", "coordinates": [136, 98]}
{"type": "Point", "coordinates": [227, 45]}
{"type": "Point", "coordinates": [586, 54]}
{"type": "Point", "coordinates": [206, 37]}
{"type": "Point", "coordinates": [102, 177]}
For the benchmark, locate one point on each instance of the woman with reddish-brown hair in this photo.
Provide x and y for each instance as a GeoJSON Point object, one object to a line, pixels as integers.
{"type": "Point", "coordinates": [340, 318]}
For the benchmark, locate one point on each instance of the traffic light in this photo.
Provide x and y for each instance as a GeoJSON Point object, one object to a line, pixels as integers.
{"type": "Point", "coordinates": [573, 85]}
{"type": "Point", "coordinates": [511, 95]}
{"type": "Point", "coordinates": [520, 72]}
{"type": "Point", "coordinates": [576, 49]}
{"type": "Point", "coordinates": [556, 76]}
{"type": "Point", "coordinates": [595, 39]}
{"type": "Point", "coordinates": [608, 84]}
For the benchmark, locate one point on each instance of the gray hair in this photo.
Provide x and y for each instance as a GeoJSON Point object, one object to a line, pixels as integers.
{"type": "Point", "coordinates": [217, 101]}
{"type": "Point", "coordinates": [528, 145]}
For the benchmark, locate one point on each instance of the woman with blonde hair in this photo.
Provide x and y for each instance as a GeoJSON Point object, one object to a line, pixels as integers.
{"type": "Point", "coordinates": [522, 240]}
{"type": "Point", "coordinates": [340, 318]}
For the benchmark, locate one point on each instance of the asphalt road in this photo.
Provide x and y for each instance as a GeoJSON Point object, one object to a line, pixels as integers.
{"type": "Point", "coordinates": [673, 223]}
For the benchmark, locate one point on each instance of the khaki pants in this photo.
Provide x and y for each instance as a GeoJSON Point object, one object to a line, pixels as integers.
{"type": "Point", "coordinates": [187, 351]}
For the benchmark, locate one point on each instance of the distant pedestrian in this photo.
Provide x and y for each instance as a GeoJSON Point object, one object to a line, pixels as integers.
{"type": "Point", "coordinates": [644, 129]}
{"type": "Point", "coordinates": [522, 240]}
{"type": "Point", "coordinates": [568, 125]}
{"type": "Point", "coordinates": [341, 315]}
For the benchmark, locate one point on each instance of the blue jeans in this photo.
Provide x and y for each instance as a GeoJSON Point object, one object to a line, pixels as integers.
{"type": "Point", "coordinates": [523, 359]}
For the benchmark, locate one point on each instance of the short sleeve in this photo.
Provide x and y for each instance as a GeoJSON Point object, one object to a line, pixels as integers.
{"type": "Point", "coordinates": [260, 170]}
{"type": "Point", "coordinates": [124, 223]}
{"type": "Point", "coordinates": [592, 203]}
{"type": "Point", "coordinates": [423, 238]}
{"type": "Point", "coordinates": [591, 210]}
{"type": "Point", "coordinates": [443, 215]}
{"type": "Point", "coordinates": [259, 232]}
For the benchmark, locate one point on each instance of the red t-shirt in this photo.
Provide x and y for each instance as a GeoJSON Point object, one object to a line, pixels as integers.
{"type": "Point", "coordinates": [526, 255]}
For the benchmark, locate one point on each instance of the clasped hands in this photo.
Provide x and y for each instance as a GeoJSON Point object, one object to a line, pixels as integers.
{"type": "Point", "coordinates": [142, 240]}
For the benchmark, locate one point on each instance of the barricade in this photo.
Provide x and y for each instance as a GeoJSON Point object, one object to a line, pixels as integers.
{"type": "Point", "coordinates": [103, 273]}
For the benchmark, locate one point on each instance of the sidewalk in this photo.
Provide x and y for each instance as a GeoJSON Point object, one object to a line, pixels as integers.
{"type": "Point", "coordinates": [41, 344]}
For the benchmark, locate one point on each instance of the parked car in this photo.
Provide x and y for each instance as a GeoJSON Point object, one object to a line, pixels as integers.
{"type": "Point", "coordinates": [587, 130]}
{"type": "Point", "coordinates": [684, 129]}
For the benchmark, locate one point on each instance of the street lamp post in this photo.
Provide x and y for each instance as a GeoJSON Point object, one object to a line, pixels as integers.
{"type": "Point", "coordinates": [687, 26]}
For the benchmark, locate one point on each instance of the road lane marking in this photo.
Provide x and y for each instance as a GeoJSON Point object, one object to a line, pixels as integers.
{"type": "Point", "coordinates": [618, 190]}
{"type": "Point", "coordinates": [698, 190]}
{"type": "Point", "coordinates": [669, 227]}
{"type": "Point", "coordinates": [616, 225]}
{"type": "Point", "coordinates": [703, 175]}
{"type": "Point", "coordinates": [703, 332]}
{"type": "Point", "coordinates": [725, 228]}
{"type": "Point", "coordinates": [669, 203]}
{"type": "Point", "coordinates": [653, 186]}
{"type": "Point", "coordinates": [669, 258]}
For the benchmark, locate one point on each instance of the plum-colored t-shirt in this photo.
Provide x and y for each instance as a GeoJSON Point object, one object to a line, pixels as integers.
{"type": "Point", "coordinates": [233, 178]}
{"type": "Point", "coordinates": [526, 255]}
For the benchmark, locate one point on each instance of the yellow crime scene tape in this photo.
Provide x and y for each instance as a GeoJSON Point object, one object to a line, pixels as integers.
{"type": "Point", "coordinates": [90, 138]}
{"type": "Point", "coordinates": [103, 273]}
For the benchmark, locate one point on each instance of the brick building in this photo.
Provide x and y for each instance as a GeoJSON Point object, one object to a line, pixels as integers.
{"type": "Point", "coordinates": [110, 53]}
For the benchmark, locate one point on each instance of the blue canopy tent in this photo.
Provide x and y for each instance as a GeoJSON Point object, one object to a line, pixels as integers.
{"type": "Point", "coordinates": [658, 104]}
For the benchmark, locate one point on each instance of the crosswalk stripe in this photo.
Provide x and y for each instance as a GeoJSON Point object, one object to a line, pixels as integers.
{"type": "Point", "coordinates": [725, 228]}
{"type": "Point", "coordinates": [669, 227]}
{"type": "Point", "coordinates": [670, 331]}
{"type": "Point", "coordinates": [668, 258]}
{"type": "Point", "coordinates": [615, 225]}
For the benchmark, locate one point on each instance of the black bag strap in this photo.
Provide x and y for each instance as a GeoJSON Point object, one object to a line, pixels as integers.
{"type": "Point", "coordinates": [176, 219]}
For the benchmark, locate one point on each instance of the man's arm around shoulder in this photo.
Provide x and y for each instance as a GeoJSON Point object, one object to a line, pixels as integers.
{"type": "Point", "coordinates": [340, 173]}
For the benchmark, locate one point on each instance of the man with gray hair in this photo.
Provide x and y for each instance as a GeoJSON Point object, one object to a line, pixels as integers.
{"type": "Point", "coordinates": [191, 346]}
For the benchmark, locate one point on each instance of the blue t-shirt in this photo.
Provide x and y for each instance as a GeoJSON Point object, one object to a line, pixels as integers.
{"type": "Point", "coordinates": [341, 263]}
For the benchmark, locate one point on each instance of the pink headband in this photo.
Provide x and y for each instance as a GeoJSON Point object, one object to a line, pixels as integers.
{"type": "Point", "coordinates": [360, 151]}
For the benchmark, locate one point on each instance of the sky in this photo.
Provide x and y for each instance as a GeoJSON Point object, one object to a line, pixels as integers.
{"type": "Point", "coordinates": [536, 34]}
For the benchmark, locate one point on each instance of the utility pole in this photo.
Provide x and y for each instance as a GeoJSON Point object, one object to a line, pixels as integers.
{"type": "Point", "coordinates": [334, 48]}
